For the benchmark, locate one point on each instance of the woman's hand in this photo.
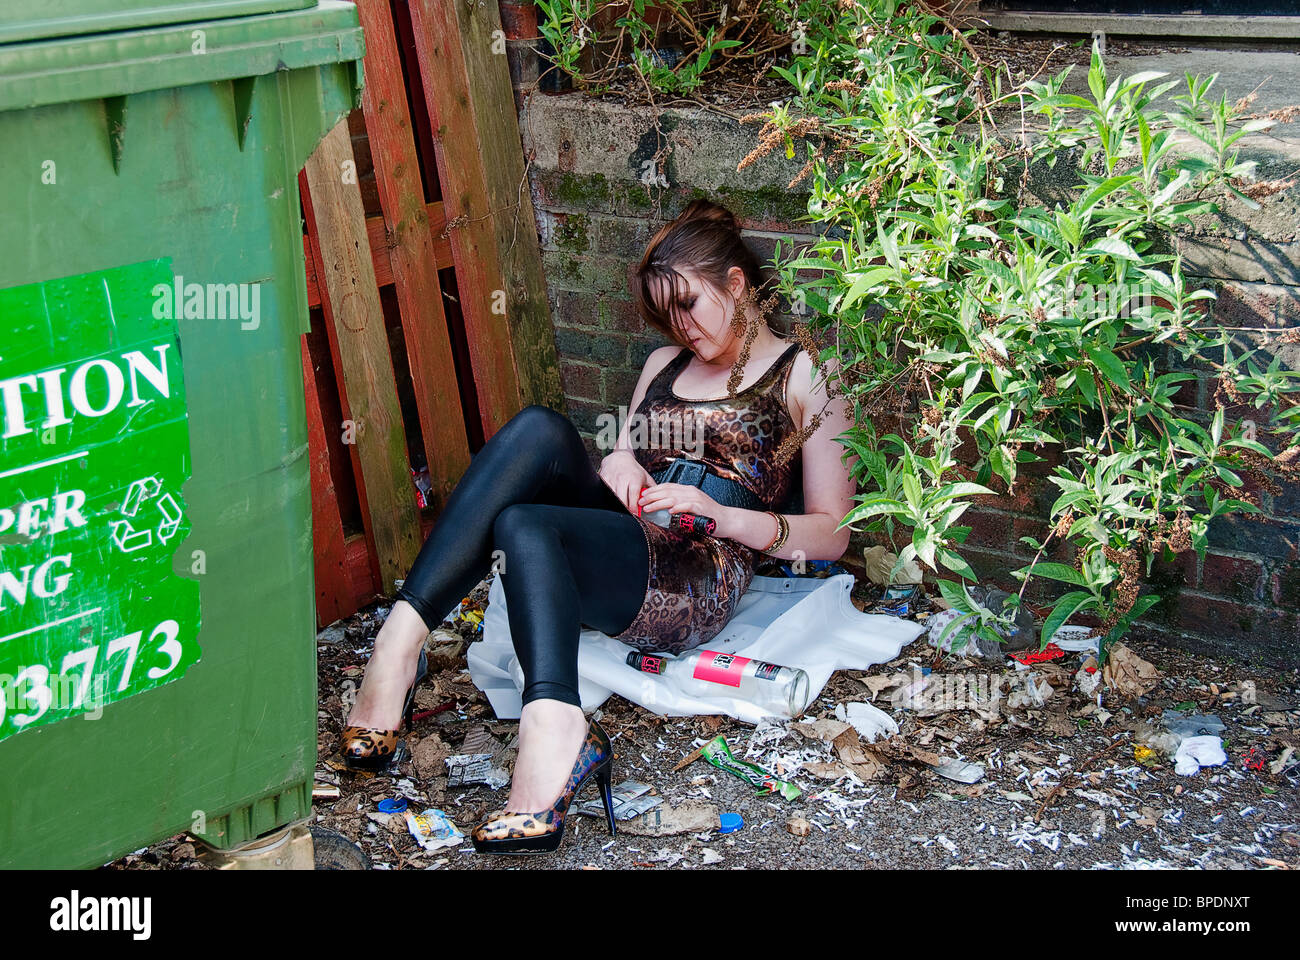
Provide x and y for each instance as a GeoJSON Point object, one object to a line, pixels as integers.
{"type": "Point", "coordinates": [682, 498]}
{"type": "Point", "coordinates": [625, 476]}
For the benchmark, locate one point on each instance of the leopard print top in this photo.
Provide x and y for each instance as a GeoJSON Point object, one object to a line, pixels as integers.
{"type": "Point", "coordinates": [695, 582]}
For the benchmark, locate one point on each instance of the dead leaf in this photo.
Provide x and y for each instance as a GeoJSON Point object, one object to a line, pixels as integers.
{"type": "Point", "coordinates": [824, 771]}
{"type": "Point", "coordinates": [798, 826]}
{"type": "Point", "coordinates": [826, 730]}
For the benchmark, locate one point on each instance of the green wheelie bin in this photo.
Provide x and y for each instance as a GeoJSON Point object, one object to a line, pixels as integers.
{"type": "Point", "coordinates": [157, 624]}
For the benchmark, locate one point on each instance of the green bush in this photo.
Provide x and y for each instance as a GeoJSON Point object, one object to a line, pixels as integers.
{"type": "Point", "coordinates": [959, 332]}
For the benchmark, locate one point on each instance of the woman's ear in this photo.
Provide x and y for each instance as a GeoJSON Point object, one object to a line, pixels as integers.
{"type": "Point", "coordinates": [735, 281]}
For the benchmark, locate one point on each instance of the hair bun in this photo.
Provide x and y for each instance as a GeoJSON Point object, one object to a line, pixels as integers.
{"type": "Point", "coordinates": [702, 209]}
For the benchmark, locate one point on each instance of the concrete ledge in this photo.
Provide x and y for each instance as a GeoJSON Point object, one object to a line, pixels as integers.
{"type": "Point", "coordinates": [1158, 25]}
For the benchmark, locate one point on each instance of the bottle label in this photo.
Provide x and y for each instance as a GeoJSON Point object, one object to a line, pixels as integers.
{"type": "Point", "coordinates": [767, 671]}
{"type": "Point", "coordinates": [720, 667]}
{"type": "Point", "coordinates": [651, 664]}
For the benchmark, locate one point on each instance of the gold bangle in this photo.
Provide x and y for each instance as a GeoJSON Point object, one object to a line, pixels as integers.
{"type": "Point", "coordinates": [782, 531]}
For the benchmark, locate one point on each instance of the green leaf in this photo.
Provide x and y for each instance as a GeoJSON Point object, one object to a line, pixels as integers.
{"type": "Point", "coordinates": [1104, 189]}
{"type": "Point", "coordinates": [1113, 246]}
{"type": "Point", "coordinates": [877, 507]}
{"type": "Point", "coordinates": [1087, 388]}
{"type": "Point", "coordinates": [869, 279]}
{"type": "Point", "coordinates": [956, 596]}
{"type": "Point", "coordinates": [1056, 571]}
{"type": "Point", "coordinates": [1111, 366]}
{"type": "Point", "coordinates": [956, 564]}
{"type": "Point", "coordinates": [951, 491]}
{"type": "Point", "coordinates": [1065, 608]}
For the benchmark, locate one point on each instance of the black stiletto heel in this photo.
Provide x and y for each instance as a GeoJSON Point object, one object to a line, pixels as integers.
{"type": "Point", "coordinates": [603, 779]}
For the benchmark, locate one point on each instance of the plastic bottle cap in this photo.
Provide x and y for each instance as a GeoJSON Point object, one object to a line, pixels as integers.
{"type": "Point", "coordinates": [729, 822]}
{"type": "Point", "coordinates": [392, 806]}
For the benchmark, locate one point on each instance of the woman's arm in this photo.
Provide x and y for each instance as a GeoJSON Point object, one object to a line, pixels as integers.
{"type": "Point", "coordinates": [657, 360]}
{"type": "Point", "coordinates": [828, 485]}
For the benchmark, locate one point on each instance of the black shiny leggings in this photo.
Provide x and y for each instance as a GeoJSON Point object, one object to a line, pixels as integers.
{"type": "Point", "coordinates": [571, 553]}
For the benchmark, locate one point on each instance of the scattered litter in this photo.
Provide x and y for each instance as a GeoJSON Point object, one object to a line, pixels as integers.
{"type": "Point", "coordinates": [1127, 673]}
{"type": "Point", "coordinates": [719, 754]}
{"type": "Point", "coordinates": [630, 800]}
{"type": "Point", "coordinates": [1196, 752]}
{"type": "Point", "coordinates": [1192, 725]}
{"type": "Point", "coordinates": [1281, 763]}
{"type": "Point", "coordinates": [1253, 760]}
{"type": "Point", "coordinates": [433, 829]}
{"type": "Point", "coordinates": [1049, 652]}
{"type": "Point", "coordinates": [798, 826]}
{"type": "Point", "coordinates": [870, 722]}
{"type": "Point", "coordinates": [690, 816]}
{"type": "Point", "coordinates": [466, 769]}
{"type": "Point", "coordinates": [879, 564]}
{"type": "Point", "coordinates": [392, 805]}
{"type": "Point", "coordinates": [730, 822]}
{"type": "Point", "coordinates": [960, 771]}
{"type": "Point", "coordinates": [1074, 639]}
{"type": "Point", "coordinates": [1088, 677]}
{"type": "Point", "coordinates": [709, 856]}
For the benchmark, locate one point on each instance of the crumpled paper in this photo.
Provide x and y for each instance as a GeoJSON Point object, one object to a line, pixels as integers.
{"type": "Point", "coordinates": [1127, 673]}
{"type": "Point", "coordinates": [879, 563]}
{"type": "Point", "coordinates": [870, 722]}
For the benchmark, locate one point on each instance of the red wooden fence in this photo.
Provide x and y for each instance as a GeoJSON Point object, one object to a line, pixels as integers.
{"type": "Point", "coordinates": [412, 251]}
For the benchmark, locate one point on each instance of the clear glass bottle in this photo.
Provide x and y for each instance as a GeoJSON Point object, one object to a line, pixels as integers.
{"type": "Point", "coordinates": [779, 691]}
{"type": "Point", "coordinates": [661, 517]}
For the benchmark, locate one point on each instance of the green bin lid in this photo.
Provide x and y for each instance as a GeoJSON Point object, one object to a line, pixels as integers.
{"type": "Point", "coordinates": [65, 18]}
{"type": "Point", "coordinates": [118, 64]}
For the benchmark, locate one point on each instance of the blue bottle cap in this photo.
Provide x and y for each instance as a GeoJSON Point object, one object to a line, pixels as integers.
{"type": "Point", "coordinates": [729, 822]}
{"type": "Point", "coordinates": [393, 805]}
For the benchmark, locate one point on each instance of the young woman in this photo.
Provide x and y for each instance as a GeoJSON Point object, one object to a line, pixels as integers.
{"type": "Point", "coordinates": [576, 552]}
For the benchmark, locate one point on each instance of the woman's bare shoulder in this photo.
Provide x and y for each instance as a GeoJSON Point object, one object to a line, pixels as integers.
{"type": "Point", "coordinates": [800, 388]}
{"type": "Point", "coordinates": [658, 359]}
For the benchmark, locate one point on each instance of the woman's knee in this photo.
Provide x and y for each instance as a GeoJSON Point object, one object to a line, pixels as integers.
{"type": "Point", "coordinates": [541, 425]}
{"type": "Point", "coordinates": [517, 524]}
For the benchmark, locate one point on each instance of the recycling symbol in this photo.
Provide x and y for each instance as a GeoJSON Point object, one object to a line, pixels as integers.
{"type": "Point", "coordinates": [125, 534]}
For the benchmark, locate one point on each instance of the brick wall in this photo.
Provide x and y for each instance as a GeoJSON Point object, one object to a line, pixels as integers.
{"type": "Point", "coordinates": [595, 219]}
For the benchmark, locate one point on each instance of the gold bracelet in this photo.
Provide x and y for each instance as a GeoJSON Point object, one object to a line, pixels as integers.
{"type": "Point", "coordinates": [782, 531]}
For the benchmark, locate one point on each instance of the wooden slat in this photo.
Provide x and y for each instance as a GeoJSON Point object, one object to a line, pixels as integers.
{"type": "Point", "coordinates": [336, 219]}
{"type": "Point", "coordinates": [411, 252]}
{"type": "Point", "coordinates": [371, 571]}
{"type": "Point", "coordinates": [333, 586]}
{"type": "Point", "coordinates": [377, 232]}
{"type": "Point", "coordinates": [480, 166]}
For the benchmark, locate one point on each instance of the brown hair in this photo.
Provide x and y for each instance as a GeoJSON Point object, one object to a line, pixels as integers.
{"type": "Point", "coordinates": [706, 238]}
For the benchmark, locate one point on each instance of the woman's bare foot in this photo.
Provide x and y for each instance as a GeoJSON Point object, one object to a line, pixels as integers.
{"type": "Point", "coordinates": [390, 671]}
{"type": "Point", "coordinates": [551, 733]}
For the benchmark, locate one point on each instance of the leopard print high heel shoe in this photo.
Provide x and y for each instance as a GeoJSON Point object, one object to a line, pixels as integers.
{"type": "Point", "coordinates": [370, 748]}
{"type": "Point", "coordinates": [532, 833]}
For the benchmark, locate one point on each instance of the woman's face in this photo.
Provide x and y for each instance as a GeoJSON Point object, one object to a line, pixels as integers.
{"type": "Point", "coordinates": [705, 314]}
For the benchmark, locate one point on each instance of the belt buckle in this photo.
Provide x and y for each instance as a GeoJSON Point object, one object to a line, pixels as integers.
{"type": "Point", "coordinates": [689, 472]}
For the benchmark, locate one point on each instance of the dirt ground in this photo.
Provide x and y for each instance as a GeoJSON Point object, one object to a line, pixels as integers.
{"type": "Point", "coordinates": [1067, 784]}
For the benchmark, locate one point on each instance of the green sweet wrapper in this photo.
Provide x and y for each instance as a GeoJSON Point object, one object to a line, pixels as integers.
{"type": "Point", "coordinates": [719, 754]}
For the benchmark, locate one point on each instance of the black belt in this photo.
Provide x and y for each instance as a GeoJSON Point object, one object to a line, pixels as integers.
{"type": "Point", "coordinates": [694, 473]}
